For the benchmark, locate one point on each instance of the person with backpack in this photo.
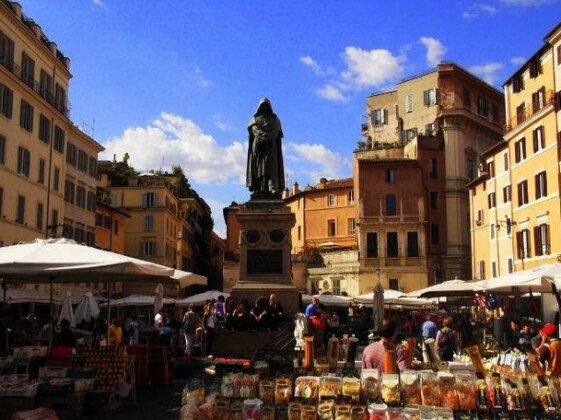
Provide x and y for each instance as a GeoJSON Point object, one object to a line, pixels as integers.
{"type": "Point", "coordinates": [191, 321]}
{"type": "Point", "coordinates": [446, 340]}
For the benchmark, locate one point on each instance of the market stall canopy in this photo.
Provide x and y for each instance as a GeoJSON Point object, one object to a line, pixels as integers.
{"type": "Point", "coordinates": [138, 300]}
{"type": "Point", "coordinates": [329, 300]}
{"type": "Point", "coordinates": [537, 279]}
{"type": "Point", "coordinates": [14, 296]}
{"type": "Point", "coordinates": [201, 298]}
{"type": "Point", "coordinates": [448, 288]}
{"type": "Point", "coordinates": [186, 279]}
{"type": "Point", "coordinates": [397, 300]}
{"type": "Point", "coordinates": [63, 260]}
{"type": "Point", "coordinates": [389, 295]}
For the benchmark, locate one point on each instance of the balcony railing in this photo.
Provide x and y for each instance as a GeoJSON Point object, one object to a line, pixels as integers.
{"type": "Point", "coordinates": [528, 111]}
{"type": "Point", "coordinates": [61, 105]}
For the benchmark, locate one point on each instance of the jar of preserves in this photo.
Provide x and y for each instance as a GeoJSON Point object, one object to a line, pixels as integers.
{"type": "Point", "coordinates": [342, 412]}
{"type": "Point", "coordinates": [283, 391]}
{"type": "Point", "coordinates": [325, 411]}
{"type": "Point", "coordinates": [267, 413]}
{"type": "Point", "coordinates": [267, 392]}
{"type": "Point", "coordinates": [358, 413]}
{"type": "Point", "coordinates": [221, 410]}
{"type": "Point", "coordinates": [236, 411]}
{"type": "Point", "coordinates": [294, 411]}
{"type": "Point", "coordinates": [252, 409]}
{"type": "Point", "coordinates": [308, 412]}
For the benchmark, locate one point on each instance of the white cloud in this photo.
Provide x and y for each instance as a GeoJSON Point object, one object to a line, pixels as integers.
{"type": "Point", "coordinates": [221, 123]}
{"type": "Point", "coordinates": [487, 71]}
{"type": "Point", "coordinates": [528, 2]}
{"type": "Point", "coordinates": [435, 50]}
{"type": "Point", "coordinates": [98, 3]}
{"type": "Point", "coordinates": [201, 80]}
{"type": "Point", "coordinates": [479, 9]}
{"type": "Point", "coordinates": [371, 68]}
{"type": "Point", "coordinates": [315, 161]}
{"type": "Point", "coordinates": [312, 64]}
{"type": "Point", "coordinates": [517, 61]}
{"type": "Point", "coordinates": [180, 142]}
{"type": "Point", "coordinates": [332, 93]}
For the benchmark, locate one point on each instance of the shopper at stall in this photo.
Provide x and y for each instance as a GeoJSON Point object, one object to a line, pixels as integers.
{"type": "Point", "coordinates": [525, 340]}
{"type": "Point", "coordinates": [191, 321]}
{"type": "Point", "coordinates": [116, 333]}
{"type": "Point", "coordinates": [209, 325]}
{"type": "Point", "coordinates": [229, 308]}
{"type": "Point", "coordinates": [446, 340]}
{"type": "Point", "coordinates": [133, 330]}
{"type": "Point", "coordinates": [429, 328]}
{"type": "Point", "coordinates": [241, 315]}
{"type": "Point", "coordinates": [548, 348]}
{"type": "Point", "coordinates": [513, 339]}
{"type": "Point", "coordinates": [374, 355]}
{"type": "Point", "coordinates": [274, 312]}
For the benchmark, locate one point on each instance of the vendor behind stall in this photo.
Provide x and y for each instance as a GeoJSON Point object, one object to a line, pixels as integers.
{"type": "Point", "coordinates": [115, 333]}
{"type": "Point", "coordinates": [374, 355]}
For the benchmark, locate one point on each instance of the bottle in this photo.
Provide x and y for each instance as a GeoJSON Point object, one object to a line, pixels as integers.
{"type": "Point", "coordinates": [351, 352]}
{"type": "Point", "coordinates": [333, 352]}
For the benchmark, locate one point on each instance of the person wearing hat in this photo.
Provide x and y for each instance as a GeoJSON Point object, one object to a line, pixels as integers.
{"type": "Point", "coordinates": [549, 348]}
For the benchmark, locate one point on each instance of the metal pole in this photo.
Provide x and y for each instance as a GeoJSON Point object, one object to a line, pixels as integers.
{"type": "Point", "coordinates": [109, 311]}
{"type": "Point", "coordinates": [52, 320]}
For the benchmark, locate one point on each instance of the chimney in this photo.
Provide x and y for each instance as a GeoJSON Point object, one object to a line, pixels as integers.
{"type": "Point", "coordinates": [36, 30]}
{"type": "Point", "coordinates": [16, 8]}
{"type": "Point", "coordinates": [285, 193]}
{"type": "Point", "coordinates": [295, 189]}
{"type": "Point", "coordinates": [66, 62]}
{"type": "Point", "coordinates": [52, 47]}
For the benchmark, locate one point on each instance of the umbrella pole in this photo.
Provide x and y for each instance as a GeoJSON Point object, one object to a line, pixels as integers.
{"type": "Point", "coordinates": [4, 289]}
{"type": "Point", "coordinates": [52, 320]}
{"type": "Point", "coordinates": [109, 311]}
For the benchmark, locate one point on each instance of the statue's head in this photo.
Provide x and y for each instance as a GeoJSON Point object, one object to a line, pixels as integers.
{"type": "Point", "coordinates": [264, 107]}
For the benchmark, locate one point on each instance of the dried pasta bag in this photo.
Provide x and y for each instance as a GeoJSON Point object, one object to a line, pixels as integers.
{"type": "Point", "coordinates": [430, 393]}
{"type": "Point", "coordinates": [466, 387]}
{"type": "Point", "coordinates": [330, 386]}
{"type": "Point", "coordinates": [193, 392]}
{"type": "Point", "coordinates": [410, 387]}
{"type": "Point", "coordinates": [448, 395]}
{"type": "Point", "coordinates": [370, 385]}
{"type": "Point", "coordinates": [390, 389]}
{"type": "Point", "coordinates": [307, 387]}
{"type": "Point", "coordinates": [529, 396]}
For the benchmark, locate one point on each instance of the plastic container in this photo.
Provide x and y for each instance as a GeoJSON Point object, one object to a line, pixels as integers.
{"type": "Point", "coordinates": [294, 411]}
{"type": "Point", "coordinates": [252, 409]}
{"type": "Point", "coordinates": [410, 387]}
{"type": "Point", "coordinates": [330, 387]}
{"type": "Point", "coordinates": [351, 388]}
{"type": "Point", "coordinates": [306, 387]}
{"type": "Point", "coordinates": [333, 352]}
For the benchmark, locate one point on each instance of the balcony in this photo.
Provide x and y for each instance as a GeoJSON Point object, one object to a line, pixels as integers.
{"type": "Point", "coordinates": [60, 104]}
{"type": "Point", "coordinates": [525, 113]}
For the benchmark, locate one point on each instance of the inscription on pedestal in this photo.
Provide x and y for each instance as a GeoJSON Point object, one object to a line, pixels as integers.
{"type": "Point", "coordinates": [264, 261]}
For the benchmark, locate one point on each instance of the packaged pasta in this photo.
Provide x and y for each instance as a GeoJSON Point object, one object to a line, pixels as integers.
{"type": "Point", "coordinates": [193, 392]}
{"type": "Point", "coordinates": [466, 387]}
{"type": "Point", "coordinates": [496, 391]}
{"type": "Point", "coordinates": [390, 388]}
{"type": "Point", "coordinates": [370, 385]}
{"type": "Point", "coordinates": [306, 387]}
{"type": "Point", "coordinates": [448, 395]}
{"type": "Point", "coordinates": [483, 400]}
{"type": "Point", "coordinates": [330, 386]}
{"type": "Point", "coordinates": [514, 399]}
{"type": "Point", "coordinates": [410, 387]}
{"type": "Point", "coordinates": [430, 393]}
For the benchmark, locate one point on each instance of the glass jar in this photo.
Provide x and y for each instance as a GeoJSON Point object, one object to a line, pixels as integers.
{"type": "Point", "coordinates": [252, 409]}
{"type": "Point", "coordinates": [267, 413]}
{"type": "Point", "coordinates": [294, 411]}
{"type": "Point", "coordinates": [267, 392]}
{"type": "Point", "coordinates": [342, 412]}
{"type": "Point", "coordinates": [282, 392]}
{"type": "Point", "coordinates": [325, 411]}
{"type": "Point", "coordinates": [308, 412]}
{"type": "Point", "coordinates": [358, 413]}
{"type": "Point", "coordinates": [221, 410]}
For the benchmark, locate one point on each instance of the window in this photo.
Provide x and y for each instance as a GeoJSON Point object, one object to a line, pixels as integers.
{"type": "Point", "coordinates": [541, 238]}
{"type": "Point", "coordinates": [482, 107]}
{"type": "Point", "coordinates": [44, 129]}
{"type": "Point", "coordinates": [99, 219]}
{"type": "Point", "coordinates": [429, 129]}
{"type": "Point", "coordinates": [507, 194]}
{"type": "Point", "coordinates": [331, 200]}
{"type": "Point", "coordinates": [331, 228]}
{"type": "Point", "coordinates": [392, 250]}
{"type": "Point", "coordinates": [26, 116]}
{"type": "Point", "coordinates": [54, 217]}
{"type": "Point", "coordinates": [433, 200]}
{"type": "Point", "coordinates": [492, 230]}
{"type": "Point", "coordinates": [433, 173]}
{"type": "Point", "coordinates": [480, 218]}
{"type": "Point", "coordinates": [429, 97]}
{"type": "Point", "coordinates": [467, 98]}
{"type": "Point", "coordinates": [82, 161]}
{"type": "Point", "coordinates": [350, 197]}
{"type": "Point", "coordinates": [409, 103]}
{"type": "Point", "coordinates": [390, 176]}
{"type": "Point", "coordinates": [6, 51]}
{"type": "Point", "coordinates": [506, 161]}
{"type": "Point", "coordinates": [435, 234]}
{"type": "Point", "coordinates": [510, 264]}
{"type": "Point", "coordinates": [351, 226]}
{"type": "Point", "coordinates": [148, 248]}
{"type": "Point", "coordinates": [491, 169]}
{"type": "Point", "coordinates": [90, 203]}
{"type": "Point", "coordinates": [46, 86]}
{"type": "Point", "coordinates": [520, 113]}
{"type": "Point", "coordinates": [520, 150]}
{"type": "Point", "coordinates": [412, 244]}
{"type": "Point", "coordinates": [371, 244]}
{"type": "Point", "coordinates": [522, 193]}
{"type": "Point", "coordinates": [409, 134]}
{"type": "Point", "coordinates": [539, 139]}
{"type": "Point", "coordinates": [538, 99]}
{"type": "Point", "coordinates": [39, 221]}
{"type": "Point", "coordinates": [59, 139]}
{"type": "Point", "coordinates": [541, 185]}
{"type": "Point", "coordinates": [491, 200]}
{"type": "Point", "coordinates": [393, 284]}
{"type": "Point", "coordinates": [69, 191]}
{"type": "Point", "coordinates": [6, 101]}
{"type": "Point", "coordinates": [480, 270]}
{"type": "Point", "coordinates": [494, 269]}
{"type": "Point", "coordinates": [92, 167]}
{"type": "Point", "coordinates": [2, 150]}
{"type": "Point", "coordinates": [523, 243]}
{"type": "Point", "coordinates": [508, 225]}
{"type": "Point", "coordinates": [391, 205]}
{"type": "Point", "coordinates": [71, 154]}
{"type": "Point", "coordinates": [41, 177]}
{"type": "Point", "coordinates": [27, 70]}
{"type": "Point", "coordinates": [379, 116]}
{"type": "Point", "coordinates": [24, 157]}
{"type": "Point", "coordinates": [20, 212]}
{"type": "Point", "coordinates": [517, 83]}
{"type": "Point", "coordinates": [535, 67]}
{"type": "Point", "coordinates": [148, 222]}
{"type": "Point", "coordinates": [90, 238]}
{"type": "Point", "coordinates": [81, 197]}
{"type": "Point", "coordinates": [107, 222]}
{"type": "Point", "coordinates": [60, 98]}
{"type": "Point", "coordinates": [56, 179]}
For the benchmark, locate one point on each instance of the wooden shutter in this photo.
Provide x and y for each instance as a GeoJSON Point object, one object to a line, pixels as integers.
{"type": "Point", "coordinates": [538, 240]}
{"type": "Point", "coordinates": [535, 140]}
{"type": "Point", "coordinates": [547, 240]}
{"type": "Point", "coordinates": [519, 245]}
{"type": "Point", "coordinates": [426, 97]}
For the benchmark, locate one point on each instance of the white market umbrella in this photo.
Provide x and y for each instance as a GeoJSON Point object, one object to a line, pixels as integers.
{"type": "Point", "coordinates": [200, 298]}
{"type": "Point", "coordinates": [448, 288]}
{"type": "Point", "coordinates": [537, 279]}
{"type": "Point", "coordinates": [138, 300]}
{"type": "Point", "coordinates": [329, 300]}
{"type": "Point", "coordinates": [86, 309]}
{"type": "Point", "coordinates": [14, 296]}
{"type": "Point", "coordinates": [66, 311]}
{"type": "Point", "coordinates": [158, 298]}
{"type": "Point", "coordinates": [186, 279]}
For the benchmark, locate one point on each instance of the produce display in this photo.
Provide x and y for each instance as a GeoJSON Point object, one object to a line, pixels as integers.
{"type": "Point", "coordinates": [111, 363]}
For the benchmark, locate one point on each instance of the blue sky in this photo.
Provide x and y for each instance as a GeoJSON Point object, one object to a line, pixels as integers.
{"type": "Point", "coordinates": [175, 82]}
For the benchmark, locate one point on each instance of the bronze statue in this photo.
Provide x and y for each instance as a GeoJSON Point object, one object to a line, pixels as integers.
{"type": "Point", "coordinates": [265, 168]}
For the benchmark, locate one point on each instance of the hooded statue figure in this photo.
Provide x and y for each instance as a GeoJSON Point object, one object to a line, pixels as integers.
{"type": "Point", "coordinates": [265, 168]}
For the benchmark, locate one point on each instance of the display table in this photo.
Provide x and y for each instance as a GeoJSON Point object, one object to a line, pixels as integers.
{"type": "Point", "coordinates": [152, 364]}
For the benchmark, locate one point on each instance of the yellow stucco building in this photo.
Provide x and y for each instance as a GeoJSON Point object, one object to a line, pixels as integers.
{"type": "Point", "coordinates": [515, 208]}
{"type": "Point", "coordinates": [48, 166]}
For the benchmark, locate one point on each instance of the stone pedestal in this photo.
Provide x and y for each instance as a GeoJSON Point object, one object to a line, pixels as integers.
{"type": "Point", "coordinates": [265, 246]}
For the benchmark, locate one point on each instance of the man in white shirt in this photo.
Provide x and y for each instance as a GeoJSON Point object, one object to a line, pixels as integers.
{"type": "Point", "coordinates": [159, 320]}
